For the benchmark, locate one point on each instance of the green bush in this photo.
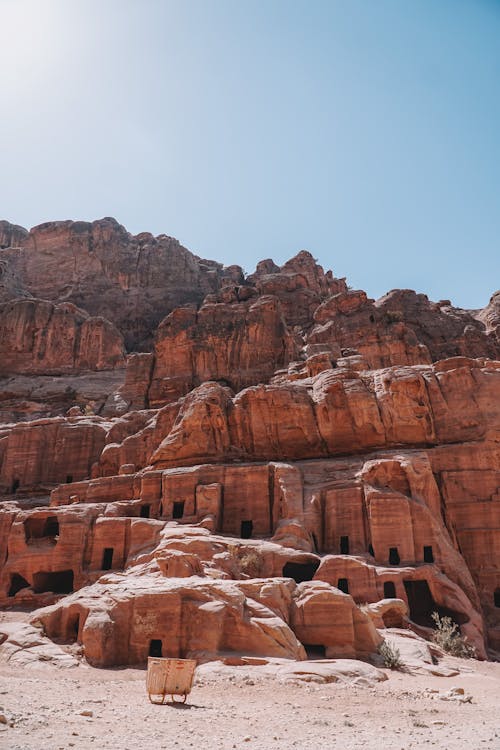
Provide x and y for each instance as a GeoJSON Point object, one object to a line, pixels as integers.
{"type": "Point", "coordinates": [447, 636]}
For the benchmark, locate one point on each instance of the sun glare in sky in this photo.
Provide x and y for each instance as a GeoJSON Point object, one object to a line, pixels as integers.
{"type": "Point", "coordinates": [365, 132]}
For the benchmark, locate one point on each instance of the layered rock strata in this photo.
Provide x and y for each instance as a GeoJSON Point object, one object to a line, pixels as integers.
{"type": "Point", "coordinates": [284, 453]}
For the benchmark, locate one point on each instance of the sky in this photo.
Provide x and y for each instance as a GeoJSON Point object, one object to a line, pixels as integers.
{"type": "Point", "coordinates": [365, 131]}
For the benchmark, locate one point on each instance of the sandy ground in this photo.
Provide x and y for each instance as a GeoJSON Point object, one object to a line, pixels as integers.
{"type": "Point", "coordinates": [230, 709]}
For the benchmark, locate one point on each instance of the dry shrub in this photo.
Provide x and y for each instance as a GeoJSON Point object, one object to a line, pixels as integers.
{"type": "Point", "coordinates": [251, 563]}
{"type": "Point", "coordinates": [391, 655]}
{"type": "Point", "coordinates": [447, 636]}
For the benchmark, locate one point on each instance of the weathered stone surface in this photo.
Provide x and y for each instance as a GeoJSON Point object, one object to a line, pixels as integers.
{"type": "Point", "coordinates": [191, 617]}
{"type": "Point", "coordinates": [490, 316]}
{"type": "Point", "coordinates": [288, 464]}
{"type": "Point", "coordinates": [23, 645]}
{"type": "Point", "coordinates": [240, 344]}
{"type": "Point", "coordinates": [445, 330]}
{"type": "Point", "coordinates": [453, 401]}
{"type": "Point", "coordinates": [131, 281]}
{"type": "Point", "coordinates": [49, 451]}
{"type": "Point", "coordinates": [337, 670]}
{"type": "Point", "coordinates": [324, 615]}
{"type": "Point", "coordinates": [300, 285]}
{"type": "Point", "coordinates": [24, 398]}
{"type": "Point", "coordinates": [38, 337]}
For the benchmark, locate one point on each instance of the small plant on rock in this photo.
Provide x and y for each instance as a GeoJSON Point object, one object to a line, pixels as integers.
{"type": "Point", "coordinates": [447, 636]}
{"type": "Point", "coordinates": [251, 563]}
{"type": "Point", "coordinates": [391, 655]}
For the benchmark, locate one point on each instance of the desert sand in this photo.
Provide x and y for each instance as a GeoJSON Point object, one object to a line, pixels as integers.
{"type": "Point", "coordinates": [45, 707]}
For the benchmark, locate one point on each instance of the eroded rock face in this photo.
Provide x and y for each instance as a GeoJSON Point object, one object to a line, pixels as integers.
{"type": "Point", "coordinates": [132, 282]}
{"type": "Point", "coordinates": [38, 337]}
{"type": "Point", "coordinates": [238, 344]}
{"type": "Point", "coordinates": [287, 467]}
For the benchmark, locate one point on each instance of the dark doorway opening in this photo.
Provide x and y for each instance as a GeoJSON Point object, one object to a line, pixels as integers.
{"type": "Point", "coordinates": [428, 555]}
{"type": "Point", "coordinates": [343, 585]}
{"type": "Point", "coordinates": [394, 556]}
{"type": "Point", "coordinates": [496, 598]}
{"type": "Point", "coordinates": [145, 511]}
{"type": "Point", "coordinates": [41, 528]}
{"type": "Point", "coordinates": [300, 571]}
{"type": "Point", "coordinates": [107, 558]}
{"type": "Point", "coordinates": [15, 486]}
{"type": "Point", "coordinates": [178, 510]}
{"type": "Point", "coordinates": [51, 526]}
{"type": "Point", "coordinates": [246, 529]}
{"type": "Point", "coordinates": [389, 590]}
{"type": "Point", "coordinates": [155, 647]}
{"type": "Point", "coordinates": [17, 583]}
{"type": "Point", "coordinates": [73, 628]}
{"type": "Point", "coordinates": [60, 582]}
{"type": "Point", "coordinates": [315, 542]}
{"type": "Point", "coordinates": [371, 550]}
{"type": "Point", "coordinates": [315, 651]}
{"type": "Point", "coordinates": [422, 605]}
{"type": "Point", "coordinates": [344, 545]}
{"type": "Point", "coordinates": [69, 478]}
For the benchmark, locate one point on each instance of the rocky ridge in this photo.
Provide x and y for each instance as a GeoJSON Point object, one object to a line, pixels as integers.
{"type": "Point", "coordinates": [279, 466]}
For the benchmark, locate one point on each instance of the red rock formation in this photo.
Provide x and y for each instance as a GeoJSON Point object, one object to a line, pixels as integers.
{"type": "Point", "coordinates": [490, 317]}
{"type": "Point", "coordinates": [240, 344]}
{"type": "Point", "coordinates": [131, 281]}
{"type": "Point", "coordinates": [287, 451]}
{"type": "Point", "coordinates": [38, 337]}
{"type": "Point", "coordinates": [49, 451]}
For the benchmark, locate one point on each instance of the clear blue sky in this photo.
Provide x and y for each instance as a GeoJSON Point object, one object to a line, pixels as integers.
{"type": "Point", "coordinates": [366, 131]}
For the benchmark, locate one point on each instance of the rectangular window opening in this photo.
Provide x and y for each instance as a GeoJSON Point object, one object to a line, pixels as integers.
{"type": "Point", "coordinates": [178, 509]}
{"type": "Point", "coordinates": [156, 647]}
{"type": "Point", "coordinates": [107, 558]}
{"type": "Point", "coordinates": [394, 558]}
{"type": "Point", "coordinates": [389, 590]}
{"type": "Point", "coordinates": [246, 529]}
{"type": "Point", "coordinates": [343, 585]}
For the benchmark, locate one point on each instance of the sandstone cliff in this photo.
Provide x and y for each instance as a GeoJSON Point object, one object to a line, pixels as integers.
{"type": "Point", "coordinates": [282, 451]}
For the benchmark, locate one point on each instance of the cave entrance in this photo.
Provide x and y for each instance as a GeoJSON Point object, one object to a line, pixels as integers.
{"type": "Point", "coordinates": [69, 478]}
{"type": "Point", "coordinates": [371, 551]}
{"type": "Point", "coordinates": [496, 598]}
{"type": "Point", "coordinates": [41, 528]}
{"type": "Point", "coordinates": [343, 585]}
{"type": "Point", "coordinates": [300, 571]}
{"type": "Point", "coordinates": [156, 648]}
{"type": "Point", "coordinates": [60, 582]}
{"type": "Point", "coordinates": [107, 558]}
{"type": "Point", "coordinates": [344, 545]}
{"type": "Point", "coordinates": [145, 511]}
{"type": "Point", "coordinates": [389, 590]}
{"type": "Point", "coordinates": [17, 582]}
{"type": "Point", "coordinates": [394, 558]}
{"type": "Point", "coordinates": [422, 605]}
{"type": "Point", "coordinates": [15, 486]}
{"type": "Point", "coordinates": [178, 509]}
{"type": "Point", "coordinates": [420, 602]}
{"type": "Point", "coordinates": [428, 554]}
{"type": "Point", "coordinates": [315, 651]}
{"type": "Point", "coordinates": [246, 529]}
